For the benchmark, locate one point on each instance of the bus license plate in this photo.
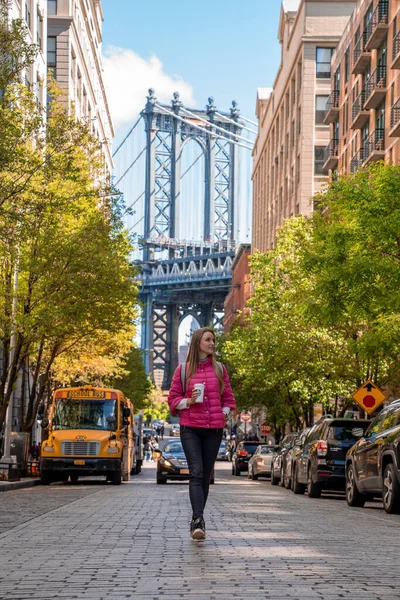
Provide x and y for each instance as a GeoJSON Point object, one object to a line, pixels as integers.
{"type": "Point", "coordinates": [184, 471]}
{"type": "Point", "coordinates": [79, 462]}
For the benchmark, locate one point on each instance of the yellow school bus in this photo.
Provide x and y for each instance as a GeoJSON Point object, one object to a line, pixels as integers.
{"type": "Point", "coordinates": [90, 432]}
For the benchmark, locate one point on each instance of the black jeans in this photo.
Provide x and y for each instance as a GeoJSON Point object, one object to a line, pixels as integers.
{"type": "Point", "coordinates": [201, 448]}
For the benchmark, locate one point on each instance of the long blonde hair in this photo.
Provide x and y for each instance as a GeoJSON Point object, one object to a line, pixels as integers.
{"type": "Point", "coordinates": [193, 357]}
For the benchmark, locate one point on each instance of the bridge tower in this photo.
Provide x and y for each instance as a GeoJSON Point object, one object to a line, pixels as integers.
{"type": "Point", "coordinates": [190, 279]}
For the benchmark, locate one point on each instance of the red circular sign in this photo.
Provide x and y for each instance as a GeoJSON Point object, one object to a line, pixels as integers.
{"type": "Point", "coordinates": [369, 401]}
{"type": "Point", "coordinates": [265, 429]}
{"type": "Point", "coordinates": [245, 416]}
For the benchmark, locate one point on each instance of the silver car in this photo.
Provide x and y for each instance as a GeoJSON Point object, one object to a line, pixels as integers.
{"type": "Point", "coordinates": [261, 461]}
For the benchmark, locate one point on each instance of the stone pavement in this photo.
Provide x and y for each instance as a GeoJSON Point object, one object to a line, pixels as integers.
{"type": "Point", "coordinates": [95, 541]}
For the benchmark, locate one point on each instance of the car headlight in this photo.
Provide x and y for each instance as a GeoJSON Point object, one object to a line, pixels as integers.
{"type": "Point", "coordinates": [165, 462]}
{"type": "Point", "coordinates": [112, 450]}
{"type": "Point", "coordinates": [48, 449]}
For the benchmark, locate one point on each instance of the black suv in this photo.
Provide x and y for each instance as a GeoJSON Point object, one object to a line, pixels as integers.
{"type": "Point", "coordinates": [373, 463]}
{"type": "Point", "coordinates": [321, 461]}
{"type": "Point", "coordinates": [242, 455]}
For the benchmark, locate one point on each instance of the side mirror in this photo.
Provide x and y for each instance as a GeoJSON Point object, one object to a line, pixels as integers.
{"type": "Point", "coordinates": [125, 422]}
{"type": "Point", "coordinates": [157, 454]}
{"type": "Point", "coordinates": [40, 411]}
{"type": "Point", "coordinates": [45, 423]}
{"type": "Point", "coordinates": [126, 412]}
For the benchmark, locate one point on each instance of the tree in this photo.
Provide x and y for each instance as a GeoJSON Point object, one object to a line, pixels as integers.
{"type": "Point", "coordinates": [63, 234]}
{"type": "Point", "coordinates": [133, 382]}
{"type": "Point", "coordinates": [355, 262]}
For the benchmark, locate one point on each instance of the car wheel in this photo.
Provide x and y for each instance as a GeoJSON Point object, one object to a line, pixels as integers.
{"type": "Point", "coordinates": [116, 477]}
{"type": "Point", "coordinates": [390, 490]}
{"type": "Point", "coordinates": [45, 479]}
{"type": "Point", "coordinates": [297, 488]}
{"type": "Point", "coordinates": [253, 476]}
{"type": "Point", "coordinates": [274, 480]}
{"type": "Point", "coordinates": [233, 469]}
{"type": "Point", "coordinates": [74, 478]}
{"type": "Point", "coordinates": [281, 478]}
{"type": "Point", "coordinates": [313, 489]}
{"type": "Point", "coordinates": [237, 471]}
{"type": "Point", "coordinates": [353, 496]}
{"type": "Point", "coordinates": [161, 480]}
{"type": "Point", "coordinates": [286, 481]}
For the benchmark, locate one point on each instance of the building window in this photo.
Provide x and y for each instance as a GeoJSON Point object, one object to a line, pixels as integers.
{"type": "Point", "coordinates": [347, 66]}
{"type": "Point", "coordinates": [52, 56]}
{"type": "Point", "coordinates": [323, 63]}
{"type": "Point", "coordinates": [51, 7]}
{"type": "Point", "coordinates": [28, 13]}
{"type": "Point", "coordinates": [39, 32]}
{"type": "Point", "coordinates": [299, 120]}
{"type": "Point", "coordinates": [298, 169]}
{"type": "Point", "coordinates": [319, 154]}
{"type": "Point", "coordinates": [320, 109]}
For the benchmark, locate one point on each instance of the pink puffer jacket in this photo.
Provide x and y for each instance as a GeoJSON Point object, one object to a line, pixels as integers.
{"type": "Point", "coordinates": [209, 413]}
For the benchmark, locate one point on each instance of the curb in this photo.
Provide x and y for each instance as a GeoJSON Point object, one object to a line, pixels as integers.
{"type": "Point", "coordinates": [7, 486]}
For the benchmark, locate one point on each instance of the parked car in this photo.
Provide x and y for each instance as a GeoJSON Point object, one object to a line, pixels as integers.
{"type": "Point", "coordinates": [242, 455]}
{"type": "Point", "coordinates": [279, 457]}
{"type": "Point", "coordinates": [292, 460]}
{"type": "Point", "coordinates": [261, 461]}
{"type": "Point", "coordinates": [373, 463]}
{"type": "Point", "coordinates": [321, 462]}
{"type": "Point", "coordinates": [174, 429]}
{"type": "Point", "coordinates": [172, 463]}
{"type": "Point", "coordinates": [223, 451]}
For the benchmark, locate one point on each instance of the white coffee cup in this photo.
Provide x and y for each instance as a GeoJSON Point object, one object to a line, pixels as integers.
{"type": "Point", "coordinates": [200, 388]}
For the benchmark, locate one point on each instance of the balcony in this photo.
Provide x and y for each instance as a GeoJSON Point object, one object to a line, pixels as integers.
{"type": "Point", "coordinates": [361, 56]}
{"type": "Point", "coordinates": [375, 88]}
{"type": "Point", "coordinates": [332, 108]}
{"type": "Point", "coordinates": [331, 155]}
{"type": "Point", "coordinates": [374, 147]}
{"type": "Point", "coordinates": [377, 28]}
{"type": "Point", "coordinates": [359, 114]}
{"type": "Point", "coordinates": [396, 51]}
{"type": "Point", "coordinates": [395, 120]}
{"type": "Point", "coordinates": [357, 161]}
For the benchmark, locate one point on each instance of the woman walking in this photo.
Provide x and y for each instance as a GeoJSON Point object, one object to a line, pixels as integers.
{"type": "Point", "coordinates": [202, 396]}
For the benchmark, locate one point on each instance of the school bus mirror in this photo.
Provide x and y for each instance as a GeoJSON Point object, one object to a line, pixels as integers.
{"type": "Point", "coordinates": [44, 423]}
{"type": "Point", "coordinates": [126, 412]}
{"type": "Point", "coordinates": [125, 422]}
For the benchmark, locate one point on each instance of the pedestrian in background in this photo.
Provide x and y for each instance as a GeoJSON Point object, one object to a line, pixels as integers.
{"type": "Point", "coordinates": [162, 431]}
{"type": "Point", "coordinates": [201, 422]}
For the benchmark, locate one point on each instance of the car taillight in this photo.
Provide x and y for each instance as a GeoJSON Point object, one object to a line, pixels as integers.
{"type": "Point", "coordinates": [242, 453]}
{"type": "Point", "coordinates": [322, 448]}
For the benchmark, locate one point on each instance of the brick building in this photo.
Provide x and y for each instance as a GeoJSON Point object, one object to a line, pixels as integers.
{"type": "Point", "coordinates": [364, 105]}
{"type": "Point", "coordinates": [288, 156]}
{"type": "Point", "coordinates": [240, 291]}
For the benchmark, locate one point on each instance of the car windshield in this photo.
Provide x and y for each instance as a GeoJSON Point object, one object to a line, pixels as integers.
{"type": "Point", "coordinates": [83, 414]}
{"type": "Point", "coordinates": [174, 447]}
{"type": "Point", "coordinates": [250, 447]}
{"type": "Point", "coordinates": [347, 432]}
{"type": "Point", "coordinates": [266, 450]}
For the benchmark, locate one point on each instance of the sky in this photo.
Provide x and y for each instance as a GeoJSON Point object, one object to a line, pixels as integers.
{"type": "Point", "coordinates": [220, 48]}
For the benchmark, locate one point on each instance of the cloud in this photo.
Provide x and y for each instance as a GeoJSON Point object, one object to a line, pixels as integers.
{"type": "Point", "coordinates": [128, 76]}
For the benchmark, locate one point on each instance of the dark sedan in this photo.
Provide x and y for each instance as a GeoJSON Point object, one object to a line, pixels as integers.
{"type": "Point", "coordinates": [172, 463]}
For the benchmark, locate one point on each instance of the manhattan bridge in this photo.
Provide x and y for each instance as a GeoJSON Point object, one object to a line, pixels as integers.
{"type": "Point", "coordinates": [185, 175]}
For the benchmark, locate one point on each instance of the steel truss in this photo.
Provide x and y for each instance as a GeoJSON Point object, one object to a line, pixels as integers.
{"type": "Point", "coordinates": [195, 282]}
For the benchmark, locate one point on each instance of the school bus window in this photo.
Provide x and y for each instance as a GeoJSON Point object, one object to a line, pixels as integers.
{"type": "Point", "coordinates": [83, 414]}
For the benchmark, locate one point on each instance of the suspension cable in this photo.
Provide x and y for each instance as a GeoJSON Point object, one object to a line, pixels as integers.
{"type": "Point", "coordinates": [130, 166]}
{"type": "Point", "coordinates": [126, 137]}
{"type": "Point", "coordinates": [249, 121]}
{"type": "Point", "coordinates": [137, 223]}
{"type": "Point", "coordinates": [192, 165]}
{"type": "Point", "coordinates": [226, 132]}
{"type": "Point", "coordinates": [210, 133]}
{"type": "Point", "coordinates": [133, 203]}
{"type": "Point", "coordinates": [229, 120]}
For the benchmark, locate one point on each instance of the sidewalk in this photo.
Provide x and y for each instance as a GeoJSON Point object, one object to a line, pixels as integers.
{"type": "Point", "coordinates": [24, 482]}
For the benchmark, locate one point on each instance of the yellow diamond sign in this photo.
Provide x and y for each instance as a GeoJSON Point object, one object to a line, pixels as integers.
{"type": "Point", "coordinates": [369, 397]}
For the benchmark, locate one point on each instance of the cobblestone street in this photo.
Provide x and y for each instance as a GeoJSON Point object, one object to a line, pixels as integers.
{"type": "Point", "coordinates": [93, 541]}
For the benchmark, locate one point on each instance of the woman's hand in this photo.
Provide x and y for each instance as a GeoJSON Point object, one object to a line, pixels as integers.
{"type": "Point", "coordinates": [192, 400]}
